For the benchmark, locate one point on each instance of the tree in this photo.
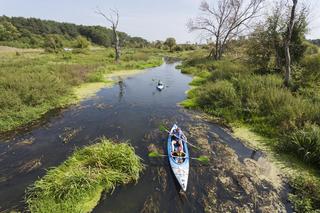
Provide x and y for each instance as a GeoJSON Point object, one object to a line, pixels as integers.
{"type": "Point", "coordinates": [113, 19]}
{"type": "Point", "coordinates": [224, 21]}
{"type": "Point", "coordinates": [53, 43]}
{"type": "Point", "coordinates": [266, 46]}
{"type": "Point", "coordinates": [260, 49]}
{"type": "Point", "coordinates": [8, 32]}
{"type": "Point", "coordinates": [170, 42]}
{"type": "Point", "coordinates": [158, 44]}
{"type": "Point", "coordinates": [82, 43]}
{"type": "Point", "coordinates": [287, 42]}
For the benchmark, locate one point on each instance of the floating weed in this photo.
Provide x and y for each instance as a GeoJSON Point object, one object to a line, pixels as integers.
{"type": "Point", "coordinates": [76, 185]}
{"type": "Point", "coordinates": [68, 134]}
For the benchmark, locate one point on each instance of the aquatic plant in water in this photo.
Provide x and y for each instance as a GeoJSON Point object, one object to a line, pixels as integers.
{"type": "Point", "coordinates": [76, 185]}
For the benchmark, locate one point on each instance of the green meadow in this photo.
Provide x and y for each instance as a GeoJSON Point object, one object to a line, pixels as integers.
{"type": "Point", "coordinates": [33, 83]}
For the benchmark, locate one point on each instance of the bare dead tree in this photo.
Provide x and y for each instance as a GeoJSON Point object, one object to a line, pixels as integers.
{"type": "Point", "coordinates": [113, 19]}
{"type": "Point", "coordinates": [287, 42]}
{"type": "Point", "coordinates": [224, 21]}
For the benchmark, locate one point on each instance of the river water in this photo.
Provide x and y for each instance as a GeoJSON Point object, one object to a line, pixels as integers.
{"type": "Point", "coordinates": [132, 111]}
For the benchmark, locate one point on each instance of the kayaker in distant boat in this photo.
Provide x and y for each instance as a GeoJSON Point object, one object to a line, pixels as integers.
{"type": "Point", "coordinates": [160, 85]}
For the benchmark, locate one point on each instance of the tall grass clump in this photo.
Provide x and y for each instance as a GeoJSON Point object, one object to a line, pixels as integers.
{"type": "Point", "coordinates": [76, 185]}
{"type": "Point", "coordinates": [305, 143]}
{"type": "Point", "coordinates": [219, 98]}
{"type": "Point", "coordinates": [228, 70]}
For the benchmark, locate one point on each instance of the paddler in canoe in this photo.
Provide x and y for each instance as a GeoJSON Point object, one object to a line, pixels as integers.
{"type": "Point", "coordinates": [177, 145]}
{"type": "Point", "coordinates": [178, 155]}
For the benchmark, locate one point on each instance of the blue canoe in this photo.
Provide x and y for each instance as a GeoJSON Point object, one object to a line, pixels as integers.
{"type": "Point", "coordinates": [179, 166]}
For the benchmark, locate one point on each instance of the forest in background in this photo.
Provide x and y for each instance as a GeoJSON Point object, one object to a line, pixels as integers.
{"type": "Point", "coordinates": [35, 33]}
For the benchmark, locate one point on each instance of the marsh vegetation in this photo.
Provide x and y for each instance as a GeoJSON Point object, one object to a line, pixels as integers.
{"type": "Point", "coordinates": [242, 95]}
{"type": "Point", "coordinates": [76, 185]}
{"type": "Point", "coordinates": [33, 83]}
{"type": "Point", "coordinates": [264, 84]}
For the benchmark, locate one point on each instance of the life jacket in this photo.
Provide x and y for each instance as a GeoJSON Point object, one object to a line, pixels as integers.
{"type": "Point", "coordinates": [180, 152]}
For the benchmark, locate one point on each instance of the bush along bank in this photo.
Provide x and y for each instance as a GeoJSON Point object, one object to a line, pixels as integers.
{"type": "Point", "coordinates": [233, 91]}
{"type": "Point", "coordinates": [76, 185]}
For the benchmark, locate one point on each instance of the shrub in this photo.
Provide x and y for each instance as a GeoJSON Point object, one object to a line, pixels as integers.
{"type": "Point", "coordinates": [226, 70]}
{"type": "Point", "coordinates": [264, 99]}
{"type": "Point", "coordinates": [305, 143]}
{"type": "Point", "coordinates": [249, 85]}
{"type": "Point", "coordinates": [53, 43]}
{"type": "Point", "coordinates": [8, 32]}
{"type": "Point", "coordinates": [310, 74]}
{"type": "Point", "coordinates": [81, 43]}
{"type": "Point", "coordinates": [178, 48]}
{"type": "Point", "coordinates": [311, 48]}
{"type": "Point", "coordinates": [218, 97]}
{"type": "Point", "coordinates": [96, 76]}
{"type": "Point", "coordinates": [305, 194]}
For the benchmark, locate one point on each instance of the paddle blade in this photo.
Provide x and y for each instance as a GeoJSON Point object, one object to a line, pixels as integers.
{"type": "Point", "coordinates": [162, 127]}
{"type": "Point", "coordinates": [154, 154]}
{"type": "Point", "coordinates": [203, 159]}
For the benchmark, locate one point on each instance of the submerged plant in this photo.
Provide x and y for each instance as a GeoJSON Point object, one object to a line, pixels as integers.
{"type": "Point", "coordinates": [76, 185]}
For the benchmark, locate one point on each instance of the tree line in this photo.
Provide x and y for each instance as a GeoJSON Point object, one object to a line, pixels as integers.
{"type": "Point", "coordinates": [33, 33]}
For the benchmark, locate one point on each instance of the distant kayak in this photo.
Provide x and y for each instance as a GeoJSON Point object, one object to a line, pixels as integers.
{"type": "Point", "coordinates": [160, 86]}
{"type": "Point", "coordinates": [179, 162]}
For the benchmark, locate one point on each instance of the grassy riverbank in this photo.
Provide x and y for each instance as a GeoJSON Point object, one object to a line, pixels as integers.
{"type": "Point", "coordinates": [32, 83]}
{"type": "Point", "coordinates": [76, 185]}
{"type": "Point", "coordinates": [259, 106]}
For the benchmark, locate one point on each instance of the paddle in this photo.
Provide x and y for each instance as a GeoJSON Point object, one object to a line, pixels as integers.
{"type": "Point", "coordinates": [163, 128]}
{"type": "Point", "coordinates": [202, 158]}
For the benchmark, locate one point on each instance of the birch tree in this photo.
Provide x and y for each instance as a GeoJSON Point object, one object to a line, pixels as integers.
{"type": "Point", "coordinates": [287, 42]}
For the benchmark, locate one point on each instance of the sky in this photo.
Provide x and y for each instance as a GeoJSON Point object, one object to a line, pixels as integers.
{"type": "Point", "coordinates": [150, 19]}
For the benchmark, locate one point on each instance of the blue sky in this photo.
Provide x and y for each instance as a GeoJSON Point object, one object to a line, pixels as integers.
{"type": "Point", "coordinates": [150, 19]}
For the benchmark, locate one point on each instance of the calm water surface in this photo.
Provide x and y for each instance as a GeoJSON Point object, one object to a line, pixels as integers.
{"type": "Point", "coordinates": [130, 111]}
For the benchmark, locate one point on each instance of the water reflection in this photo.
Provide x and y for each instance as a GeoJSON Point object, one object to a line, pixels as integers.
{"type": "Point", "coordinates": [122, 87]}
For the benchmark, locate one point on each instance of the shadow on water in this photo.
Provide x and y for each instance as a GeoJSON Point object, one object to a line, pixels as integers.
{"type": "Point", "coordinates": [132, 111]}
{"type": "Point", "coordinates": [122, 87]}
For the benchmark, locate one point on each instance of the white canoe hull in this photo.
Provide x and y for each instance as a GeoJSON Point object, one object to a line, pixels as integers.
{"type": "Point", "coordinates": [160, 87]}
{"type": "Point", "coordinates": [180, 170]}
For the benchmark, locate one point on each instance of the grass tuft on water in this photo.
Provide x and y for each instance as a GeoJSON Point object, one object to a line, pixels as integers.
{"type": "Point", "coordinates": [76, 185]}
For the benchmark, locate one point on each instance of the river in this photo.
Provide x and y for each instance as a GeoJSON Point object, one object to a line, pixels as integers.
{"type": "Point", "coordinates": [132, 111]}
